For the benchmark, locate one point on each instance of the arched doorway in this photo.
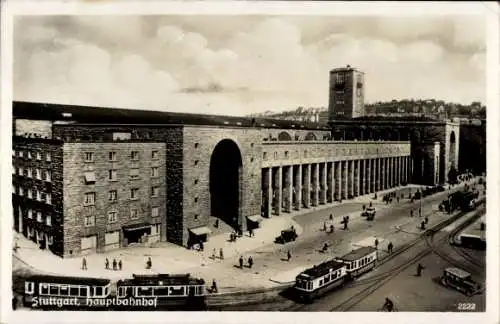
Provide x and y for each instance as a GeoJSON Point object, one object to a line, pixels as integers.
{"type": "Point", "coordinates": [284, 136]}
{"type": "Point", "coordinates": [452, 173]}
{"type": "Point", "coordinates": [225, 177]}
{"type": "Point", "coordinates": [311, 137]}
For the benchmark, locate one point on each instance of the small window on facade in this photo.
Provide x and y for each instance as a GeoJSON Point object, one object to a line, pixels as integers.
{"type": "Point", "coordinates": [264, 155]}
{"type": "Point", "coordinates": [112, 175]}
{"type": "Point", "coordinates": [30, 213]}
{"type": "Point", "coordinates": [154, 171]}
{"type": "Point", "coordinates": [251, 159]}
{"type": "Point", "coordinates": [134, 193]}
{"type": "Point", "coordinates": [251, 144]}
{"type": "Point", "coordinates": [195, 145]}
{"type": "Point", "coordinates": [30, 173]}
{"type": "Point", "coordinates": [89, 156]}
{"type": "Point", "coordinates": [112, 195]}
{"type": "Point", "coordinates": [112, 156]}
{"type": "Point", "coordinates": [21, 191]}
{"type": "Point", "coordinates": [155, 212]}
{"type": "Point", "coordinates": [196, 162]}
{"type": "Point", "coordinates": [134, 214]}
{"type": "Point", "coordinates": [20, 171]}
{"type": "Point", "coordinates": [196, 181]}
{"type": "Point", "coordinates": [30, 194]}
{"type": "Point", "coordinates": [155, 155]}
{"type": "Point", "coordinates": [195, 199]}
{"type": "Point", "coordinates": [155, 191]}
{"type": "Point", "coordinates": [89, 199]}
{"type": "Point", "coordinates": [134, 155]}
{"type": "Point", "coordinates": [275, 155]}
{"type": "Point", "coordinates": [112, 217]}
{"type": "Point", "coordinates": [195, 216]}
{"type": "Point", "coordinates": [38, 195]}
{"type": "Point", "coordinates": [29, 155]}
{"type": "Point", "coordinates": [48, 198]}
{"type": "Point", "coordinates": [89, 221]}
{"type": "Point", "coordinates": [48, 157]}
{"type": "Point", "coordinates": [286, 154]}
{"type": "Point", "coordinates": [48, 220]}
{"type": "Point", "coordinates": [47, 176]}
{"type": "Point", "coordinates": [21, 154]}
{"type": "Point", "coordinates": [39, 217]}
{"type": "Point", "coordinates": [38, 173]}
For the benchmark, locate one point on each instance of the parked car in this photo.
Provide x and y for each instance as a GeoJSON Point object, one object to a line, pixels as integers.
{"type": "Point", "coordinates": [369, 213]}
{"type": "Point", "coordinates": [286, 236]}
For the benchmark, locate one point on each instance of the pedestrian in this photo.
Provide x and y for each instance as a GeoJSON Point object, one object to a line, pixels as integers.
{"type": "Point", "coordinates": [419, 212]}
{"type": "Point", "coordinates": [332, 229]}
{"type": "Point", "coordinates": [84, 264]}
{"type": "Point", "coordinates": [107, 263]}
{"type": "Point", "coordinates": [250, 262]}
{"type": "Point", "coordinates": [221, 254]}
{"type": "Point", "coordinates": [325, 247]}
{"type": "Point", "coordinates": [288, 255]}
{"type": "Point", "coordinates": [411, 213]}
{"type": "Point", "coordinates": [120, 264]}
{"type": "Point", "coordinates": [422, 225]}
{"type": "Point", "coordinates": [14, 302]}
{"type": "Point", "coordinates": [241, 262]}
{"type": "Point", "coordinates": [201, 246]}
{"type": "Point", "coordinates": [390, 247]}
{"type": "Point", "coordinates": [426, 220]}
{"type": "Point", "coordinates": [331, 216]}
{"type": "Point", "coordinates": [216, 223]}
{"type": "Point", "coordinates": [114, 264]}
{"type": "Point", "coordinates": [419, 269]}
{"type": "Point", "coordinates": [213, 254]}
{"type": "Point", "coordinates": [149, 263]}
{"type": "Point", "coordinates": [214, 286]}
{"type": "Point", "coordinates": [250, 232]}
{"type": "Point", "coordinates": [364, 207]}
{"type": "Point", "coordinates": [397, 198]}
{"type": "Point", "coordinates": [376, 243]}
{"type": "Point", "coordinates": [324, 226]}
{"type": "Point", "coordinates": [370, 203]}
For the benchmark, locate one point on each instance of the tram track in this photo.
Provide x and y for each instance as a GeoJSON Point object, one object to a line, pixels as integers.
{"type": "Point", "coordinates": [376, 282]}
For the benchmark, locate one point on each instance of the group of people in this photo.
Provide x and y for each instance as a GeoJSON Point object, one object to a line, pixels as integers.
{"type": "Point", "coordinates": [250, 262]}
{"type": "Point", "coordinates": [221, 254]}
{"type": "Point", "coordinates": [116, 265]}
{"type": "Point", "coordinates": [389, 196]}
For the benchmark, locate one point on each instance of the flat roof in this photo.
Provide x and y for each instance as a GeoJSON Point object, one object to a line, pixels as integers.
{"type": "Point", "coordinates": [113, 116]}
{"type": "Point", "coordinates": [323, 268]}
{"type": "Point", "coordinates": [358, 253]}
{"type": "Point", "coordinates": [162, 280]}
{"type": "Point", "coordinates": [458, 272]}
{"type": "Point", "coordinates": [67, 280]}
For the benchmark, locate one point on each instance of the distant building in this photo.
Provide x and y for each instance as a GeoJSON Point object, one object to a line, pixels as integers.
{"type": "Point", "coordinates": [346, 98]}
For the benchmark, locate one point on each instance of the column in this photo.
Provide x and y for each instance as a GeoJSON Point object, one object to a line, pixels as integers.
{"type": "Point", "coordinates": [330, 181]}
{"type": "Point", "coordinates": [405, 168]}
{"type": "Point", "coordinates": [391, 174]}
{"type": "Point", "coordinates": [350, 171]}
{"type": "Point", "coordinates": [400, 167]}
{"type": "Point", "coordinates": [395, 174]}
{"type": "Point", "coordinates": [382, 173]}
{"type": "Point", "coordinates": [323, 183]}
{"type": "Point", "coordinates": [306, 192]}
{"type": "Point", "coordinates": [369, 176]}
{"type": "Point", "coordinates": [345, 176]}
{"type": "Point", "coordinates": [374, 172]}
{"type": "Point", "coordinates": [338, 180]}
{"type": "Point", "coordinates": [289, 188]}
{"type": "Point", "coordinates": [411, 168]}
{"type": "Point", "coordinates": [267, 191]}
{"type": "Point", "coordinates": [357, 179]}
{"type": "Point", "coordinates": [298, 186]}
{"type": "Point", "coordinates": [315, 184]}
{"type": "Point", "coordinates": [277, 191]}
{"type": "Point", "coordinates": [377, 174]}
{"type": "Point", "coordinates": [362, 176]}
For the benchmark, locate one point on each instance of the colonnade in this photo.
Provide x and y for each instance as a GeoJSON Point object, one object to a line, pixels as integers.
{"type": "Point", "coordinates": [291, 188]}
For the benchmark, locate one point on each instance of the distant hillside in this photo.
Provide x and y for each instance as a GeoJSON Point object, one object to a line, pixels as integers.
{"type": "Point", "coordinates": [437, 109]}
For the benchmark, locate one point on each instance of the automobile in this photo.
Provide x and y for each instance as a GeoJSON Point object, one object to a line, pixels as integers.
{"type": "Point", "coordinates": [369, 213]}
{"type": "Point", "coordinates": [460, 280]}
{"type": "Point", "coordinates": [286, 236]}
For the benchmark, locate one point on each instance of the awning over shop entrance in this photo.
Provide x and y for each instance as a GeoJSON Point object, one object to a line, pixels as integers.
{"type": "Point", "coordinates": [255, 218]}
{"type": "Point", "coordinates": [200, 230]}
{"type": "Point", "coordinates": [136, 227]}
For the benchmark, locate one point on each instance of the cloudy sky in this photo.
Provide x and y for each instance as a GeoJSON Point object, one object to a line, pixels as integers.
{"type": "Point", "coordinates": [243, 64]}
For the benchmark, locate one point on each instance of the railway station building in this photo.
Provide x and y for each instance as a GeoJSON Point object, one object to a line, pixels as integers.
{"type": "Point", "coordinates": [92, 179]}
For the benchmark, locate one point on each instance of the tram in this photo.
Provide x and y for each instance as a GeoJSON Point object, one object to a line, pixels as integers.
{"type": "Point", "coordinates": [316, 281]}
{"type": "Point", "coordinates": [58, 292]}
{"type": "Point", "coordinates": [476, 242]}
{"type": "Point", "coordinates": [359, 261]}
{"type": "Point", "coordinates": [170, 290]}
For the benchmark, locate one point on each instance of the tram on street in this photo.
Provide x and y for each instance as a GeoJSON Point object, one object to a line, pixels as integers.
{"type": "Point", "coordinates": [59, 292]}
{"type": "Point", "coordinates": [316, 281]}
{"type": "Point", "coordinates": [359, 261]}
{"type": "Point", "coordinates": [476, 242]}
{"type": "Point", "coordinates": [168, 289]}
{"type": "Point", "coordinates": [460, 280]}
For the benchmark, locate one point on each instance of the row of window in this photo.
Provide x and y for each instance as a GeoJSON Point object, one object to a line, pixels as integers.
{"type": "Point", "coordinates": [134, 174]}
{"type": "Point", "coordinates": [134, 156]}
{"type": "Point", "coordinates": [33, 194]}
{"type": "Point", "coordinates": [28, 172]}
{"type": "Point", "coordinates": [360, 263]}
{"type": "Point", "coordinates": [331, 276]}
{"type": "Point", "coordinates": [349, 151]}
{"type": "Point", "coordinates": [29, 155]}
{"type": "Point", "coordinates": [112, 216]}
{"type": "Point", "coordinates": [39, 235]}
{"type": "Point", "coordinates": [39, 216]}
{"type": "Point", "coordinates": [90, 197]}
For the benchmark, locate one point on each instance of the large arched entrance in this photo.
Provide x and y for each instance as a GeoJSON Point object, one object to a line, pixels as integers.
{"type": "Point", "coordinates": [452, 173]}
{"type": "Point", "coordinates": [225, 178]}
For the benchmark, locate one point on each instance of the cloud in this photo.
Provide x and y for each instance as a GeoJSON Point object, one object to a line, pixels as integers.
{"type": "Point", "coordinates": [253, 64]}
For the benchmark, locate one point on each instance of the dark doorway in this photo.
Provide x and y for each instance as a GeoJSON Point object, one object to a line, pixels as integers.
{"type": "Point", "coordinates": [452, 151]}
{"type": "Point", "coordinates": [134, 235]}
{"type": "Point", "coordinates": [225, 173]}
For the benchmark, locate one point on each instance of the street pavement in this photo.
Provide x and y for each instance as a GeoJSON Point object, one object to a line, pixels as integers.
{"type": "Point", "coordinates": [269, 258]}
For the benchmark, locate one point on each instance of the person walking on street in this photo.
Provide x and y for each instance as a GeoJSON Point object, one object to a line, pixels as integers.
{"type": "Point", "coordinates": [324, 226]}
{"type": "Point", "coordinates": [325, 247]}
{"type": "Point", "coordinates": [332, 229]}
{"type": "Point", "coordinates": [250, 262]}
{"type": "Point", "coordinates": [250, 232]}
{"type": "Point", "coordinates": [221, 254]}
{"type": "Point", "coordinates": [241, 262]}
{"type": "Point", "coordinates": [331, 216]}
{"type": "Point", "coordinates": [84, 264]}
{"type": "Point", "coordinates": [149, 263]}
{"type": "Point", "coordinates": [288, 255]}
{"type": "Point", "coordinates": [214, 286]}
{"type": "Point", "coordinates": [376, 243]}
{"type": "Point", "coordinates": [201, 246]}
{"type": "Point", "coordinates": [114, 264]}
{"type": "Point", "coordinates": [106, 264]}
{"type": "Point", "coordinates": [213, 254]}
{"type": "Point", "coordinates": [389, 247]}
{"type": "Point", "coordinates": [419, 212]}
{"type": "Point", "coordinates": [120, 264]}
{"type": "Point", "coordinates": [411, 213]}
{"type": "Point", "coordinates": [419, 270]}
{"type": "Point", "coordinates": [389, 305]}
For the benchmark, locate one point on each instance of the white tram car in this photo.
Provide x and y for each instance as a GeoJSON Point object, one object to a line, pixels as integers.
{"type": "Point", "coordinates": [316, 281]}
{"type": "Point", "coordinates": [359, 261]}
